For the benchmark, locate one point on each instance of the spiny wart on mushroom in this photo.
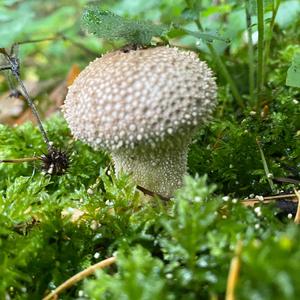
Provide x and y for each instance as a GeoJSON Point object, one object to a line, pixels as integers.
{"type": "Point", "coordinates": [144, 107]}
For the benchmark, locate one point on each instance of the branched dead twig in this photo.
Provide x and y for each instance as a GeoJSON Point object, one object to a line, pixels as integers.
{"type": "Point", "coordinates": [55, 161]}
{"type": "Point", "coordinates": [14, 67]}
{"type": "Point", "coordinates": [79, 276]}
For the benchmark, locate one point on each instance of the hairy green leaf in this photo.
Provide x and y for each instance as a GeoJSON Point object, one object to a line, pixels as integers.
{"type": "Point", "coordinates": [110, 26]}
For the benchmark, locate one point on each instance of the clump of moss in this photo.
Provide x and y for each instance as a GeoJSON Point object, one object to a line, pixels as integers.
{"type": "Point", "coordinates": [54, 227]}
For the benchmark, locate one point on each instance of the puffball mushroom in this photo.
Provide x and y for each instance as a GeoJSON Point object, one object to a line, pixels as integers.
{"type": "Point", "coordinates": [143, 106]}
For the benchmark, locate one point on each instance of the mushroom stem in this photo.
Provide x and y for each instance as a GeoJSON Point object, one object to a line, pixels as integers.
{"type": "Point", "coordinates": [160, 170]}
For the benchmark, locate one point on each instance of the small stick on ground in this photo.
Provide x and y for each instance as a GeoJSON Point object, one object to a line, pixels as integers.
{"type": "Point", "coordinates": [20, 160]}
{"type": "Point", "coordinates": [234, 271]}
{"type": "Point", "coordinates": [79, 276]}
{"type": "Point", "coordinates": [268, 199]}
{"type": "Point", "coordinates": [152, 194]}
{"type": "Point", "coordinates": [297, 217]}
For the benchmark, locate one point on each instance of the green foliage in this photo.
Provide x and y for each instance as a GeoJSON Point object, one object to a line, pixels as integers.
{"type": "Point", "coordinates": [53, 227]}
{"type": "Point", "coordinates": [282, 252]}
{"type": "Point", "coordinates": [20, 22]}
{"type": "Point", "coordinates": [135, 268]}
{"type": "Point", "coordinates": [196, 240]}
{"type": "Point", "coordinates": [293, 74]}
{"type": "Point", "coordinates": [227, 151]}
{"type": "Point", "coordinates": [110, 26]}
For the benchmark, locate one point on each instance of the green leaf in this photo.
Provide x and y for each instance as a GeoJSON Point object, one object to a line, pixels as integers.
{"type": "Point", "coordinates": [140, 277]}
{"type": "Point", "coordinates": [110, 26]}
{"type": "Point", "coordinates": [12, 24]}
{"type": "Point", "coordinates": [293, 73]}
{"type": "Point", "coordinates": [208, 37]}
{"type": "Point", "coordinates": [288, 13]}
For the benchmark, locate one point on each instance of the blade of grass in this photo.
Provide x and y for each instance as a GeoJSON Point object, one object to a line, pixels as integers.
{"type": "Point", "coordinates": [266, 168]}
{"type": "Point", "coordinates": [250, 53]}
{"type": "Point", "coordinates": [223, 69]}
{"type": "Point", "coordinates": [272, 24]}
{"type": "Point", "coordinates": [260, 49]}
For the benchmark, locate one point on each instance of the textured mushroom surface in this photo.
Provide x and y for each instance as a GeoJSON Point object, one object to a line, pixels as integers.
{"type": "Point", "coordinates": [142, 105]}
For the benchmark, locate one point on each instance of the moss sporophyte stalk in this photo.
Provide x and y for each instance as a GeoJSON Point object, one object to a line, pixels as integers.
{"type": "Point", "coordinates": [143, 106]}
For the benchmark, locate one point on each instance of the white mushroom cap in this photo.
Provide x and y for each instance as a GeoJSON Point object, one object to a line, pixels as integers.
{"type": "Point", "coordinates": [140, 98]}
{"type": "Point", "coordinates": [144, 107]}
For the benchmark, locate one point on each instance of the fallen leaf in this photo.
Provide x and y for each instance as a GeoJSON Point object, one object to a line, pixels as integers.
{"type": "Point", "coordinates": [10, 108]}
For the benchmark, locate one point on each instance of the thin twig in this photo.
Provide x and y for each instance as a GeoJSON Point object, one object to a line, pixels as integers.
{"type": "Point", "coordinates": [15, 70]}
{"type": "Point", "coordinates": [5, 68]}
{"type": "Point", "coordinates": [268, 199]}
{"type": "Point", "coordinates": [234, 271]}
{"type": "Point", "coordinates": [34, 110]}
{"type": "Point", "coordinates": [20, 160]}
{"type": "Point", "coordinates": [297, 217]}
{"type": "Point", "coordinates": [61, 36]}
{"type": "Point", "coordinates": [152, 194]}
{"type": "Point", "coordinates": [79, 276]}
{"type": "Point", "coordinates": [78, 45]}
{"type": "Point", "coordinates": [286, 180]}
{"type": "Point", "coordinates": [53, 38]}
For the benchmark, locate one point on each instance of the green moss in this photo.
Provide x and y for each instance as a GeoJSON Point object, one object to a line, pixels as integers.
{"type": "Point", "coordinates": [53, 227]}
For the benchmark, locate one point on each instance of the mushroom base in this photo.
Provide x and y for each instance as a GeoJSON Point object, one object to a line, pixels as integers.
{"type": "Point", "coordinates": [157, 170]}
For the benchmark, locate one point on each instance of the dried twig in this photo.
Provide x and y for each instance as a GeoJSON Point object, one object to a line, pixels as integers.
{"type": "Point", "coordinates": [268, 199]}
{"type": "Point", "coordinates": [19, 160]}
{"type": "Point", "coordinates": [14, 67]}
{"type": "Point", "coordinates": [234, 271]}
{"type": "Point", "coordinates": [79, 276]}
{"type": "Point", "coordinates": [152, 194]}
{"type": "Point", "coordinates": [297, 216]}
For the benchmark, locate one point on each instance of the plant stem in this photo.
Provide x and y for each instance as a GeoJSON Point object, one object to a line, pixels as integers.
{"type": "Point", "coordinates": [15, 70]}
{"type": "Point", "coordinates": [79, 276]}
{"type": "Point", "coordinates": [34, 110]}
{"type": "Point", "coordinates": [260, 49]}
{"type": "Point", "coordinates": [297, 217]}
{"type": "Point", "coordinates": [272, 24]}
{"type": "Point", "coordinates": [61, 36]}
{"type": "Point", "coordinates": [234, 272]}
{"type": "Point", "coordinates": [20, 160]}
{"type": "Point", "coordinates": [266, 168]}
{"type": "Point", "coordinates": [250, 52]}
{"type": "Point", "coordinates": [223, 69]}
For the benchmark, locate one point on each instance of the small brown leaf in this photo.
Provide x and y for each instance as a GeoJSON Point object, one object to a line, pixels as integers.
{"type": "Point", "coordinates": [73, 73]}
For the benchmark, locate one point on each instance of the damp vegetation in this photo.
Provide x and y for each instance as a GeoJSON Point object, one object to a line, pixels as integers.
{"type": "Point", "coordinates": [73, 228]}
